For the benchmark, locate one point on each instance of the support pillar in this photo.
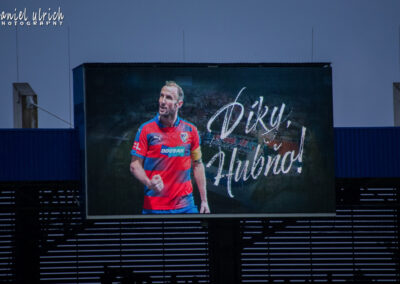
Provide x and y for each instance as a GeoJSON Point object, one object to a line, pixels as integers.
{"type": "Point", "coordinates": [25, 113]}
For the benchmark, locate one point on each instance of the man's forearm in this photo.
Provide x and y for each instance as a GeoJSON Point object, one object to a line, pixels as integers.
{"type": "Point", "coordinates": [137, 170]}
{"type": "Point", "coordinates": [200, 178]}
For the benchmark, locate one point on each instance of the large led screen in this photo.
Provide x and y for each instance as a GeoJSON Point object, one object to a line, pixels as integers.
{"type": "Point", "coordinates": [262, 133]}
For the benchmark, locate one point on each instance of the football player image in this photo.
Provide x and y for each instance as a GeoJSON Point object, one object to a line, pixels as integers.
{"type": "Point", "coordinates": [165, 151]}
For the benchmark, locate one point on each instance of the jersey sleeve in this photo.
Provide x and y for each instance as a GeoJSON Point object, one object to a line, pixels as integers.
{"type": "Point", "coordinates": [139, 147]}
{"type": "Point", "coordinates": [195, 151]}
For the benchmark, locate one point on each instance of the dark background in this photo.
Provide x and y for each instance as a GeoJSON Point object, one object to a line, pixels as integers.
{"type": "Point", "coordinates": [120, 97]}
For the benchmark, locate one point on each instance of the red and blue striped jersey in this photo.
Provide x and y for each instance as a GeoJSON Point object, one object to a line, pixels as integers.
{"type": "Point", "coordinates": [166, 151]}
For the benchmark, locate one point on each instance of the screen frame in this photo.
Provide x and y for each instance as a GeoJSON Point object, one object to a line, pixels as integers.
{"type": "Point", "coordinates": [80, 86]}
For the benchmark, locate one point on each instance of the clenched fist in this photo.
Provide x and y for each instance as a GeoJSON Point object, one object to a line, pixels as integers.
{"type": "Point", "coordinates": [156, 183]}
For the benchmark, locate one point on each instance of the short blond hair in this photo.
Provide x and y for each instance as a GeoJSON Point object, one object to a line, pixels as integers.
{"type": "Point", "coordinates": [181, 95]}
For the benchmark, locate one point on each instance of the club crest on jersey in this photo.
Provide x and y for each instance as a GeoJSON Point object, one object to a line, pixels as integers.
{"type": "Point", "coordinates": [184, 137]}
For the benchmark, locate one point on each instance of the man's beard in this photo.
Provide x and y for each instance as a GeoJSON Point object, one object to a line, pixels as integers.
{"type": "Point", "coordinates": [168, 113]}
